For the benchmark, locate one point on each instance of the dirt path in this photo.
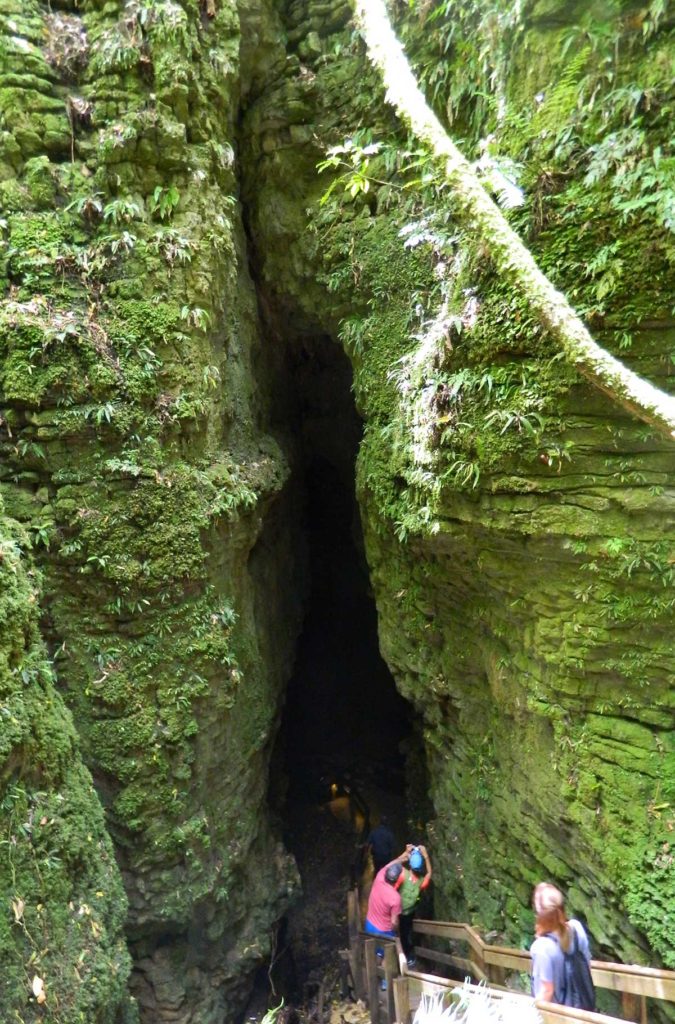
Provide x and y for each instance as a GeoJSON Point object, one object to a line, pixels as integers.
{"type": "Point", "coordinates": [326, 847]}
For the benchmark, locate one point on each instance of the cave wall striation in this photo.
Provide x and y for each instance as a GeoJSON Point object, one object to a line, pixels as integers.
{"type": "Point", "coordinates": [134, 452]}
{"type": "Point", "coordinates": [518, 524]}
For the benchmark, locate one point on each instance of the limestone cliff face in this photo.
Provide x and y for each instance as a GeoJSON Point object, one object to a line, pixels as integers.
{"type": "Point", "coordinates": [62, 930]}
{"type": "Point", "coordinates": [517, 523]}
{"type": "Point", "coordinates": [134, 448]}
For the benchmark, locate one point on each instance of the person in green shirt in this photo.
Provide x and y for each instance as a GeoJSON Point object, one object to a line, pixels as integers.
{"type": "Point", "coordinates": [416, 877]}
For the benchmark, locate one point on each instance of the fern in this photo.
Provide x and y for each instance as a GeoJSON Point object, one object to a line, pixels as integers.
{"type": "Point", "coordinates": [561, 100]}
{"type": "Point", "coordinates": [352, 333]}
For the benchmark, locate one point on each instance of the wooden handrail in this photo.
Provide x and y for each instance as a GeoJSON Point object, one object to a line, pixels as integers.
{"type": "Point", "coordinates": [487, 962]}
{"type": "Point", "coordinates": [630, 978]}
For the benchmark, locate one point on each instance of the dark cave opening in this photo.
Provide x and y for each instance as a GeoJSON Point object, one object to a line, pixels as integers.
{"type": "Point", "coordinates": [345, 731]}
{"type": "Point", "coordinates": [343, 713]}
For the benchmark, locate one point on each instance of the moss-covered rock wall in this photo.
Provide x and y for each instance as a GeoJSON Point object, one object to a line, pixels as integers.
{"type": "Point", "coordinates": [62, 937]}
{"type": "Point", "coordinates": [133, 405]}
{"type": "Point", "coordinates": [518, 524]}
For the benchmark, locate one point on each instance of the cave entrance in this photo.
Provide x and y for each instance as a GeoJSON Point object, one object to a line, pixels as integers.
{"type": "Point", "coordinates": [345, 728]}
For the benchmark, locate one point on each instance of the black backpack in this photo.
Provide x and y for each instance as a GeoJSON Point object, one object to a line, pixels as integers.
{"type": "Point", "coordinates": [578, 991]}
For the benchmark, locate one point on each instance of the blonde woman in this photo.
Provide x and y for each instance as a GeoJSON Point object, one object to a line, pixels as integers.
{"type": "Point", "coordinates": [560, 953]}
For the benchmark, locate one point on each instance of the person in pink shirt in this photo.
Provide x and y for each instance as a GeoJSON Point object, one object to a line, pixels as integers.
{"type": "Point", "coordinates": [384, 902]}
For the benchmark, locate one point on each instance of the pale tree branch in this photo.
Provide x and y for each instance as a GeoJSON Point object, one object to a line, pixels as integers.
{"type": "Point", "coordinates": [481, 216]}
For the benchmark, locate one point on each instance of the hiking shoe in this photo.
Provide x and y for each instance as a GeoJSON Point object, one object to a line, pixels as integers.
{"type": "Point", "coordinates": [412, 962]}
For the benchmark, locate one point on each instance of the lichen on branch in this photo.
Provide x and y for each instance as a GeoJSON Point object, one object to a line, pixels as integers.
{"type": "Point", "coordinates": [510, 255]}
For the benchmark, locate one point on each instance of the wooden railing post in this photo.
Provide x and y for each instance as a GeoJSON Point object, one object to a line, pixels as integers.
{"type": "Point", "coordinates": [372, 981]}
{"type": "Point", "coordinates": [360, 971]}
{"type": "Point", "coordinates": [355, 951]}
{"type": "Point", "coordinates": [402, 1000]}
{"type": "Point", "coordinates": [477, 950]}
{"type": "Point", "coordinates": [390, 972]}
{"type": "Point", "coordinates": [496, 975]}
{"type": "Point", "coordinates": [630, 1006]}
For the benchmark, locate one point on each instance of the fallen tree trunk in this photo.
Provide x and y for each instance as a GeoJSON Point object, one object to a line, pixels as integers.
{"type": "Point", "coordinates": [509, 254]}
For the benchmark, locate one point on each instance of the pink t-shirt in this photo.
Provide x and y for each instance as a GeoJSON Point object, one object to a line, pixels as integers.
{"type": "Point", "coordinates": [384, 904]}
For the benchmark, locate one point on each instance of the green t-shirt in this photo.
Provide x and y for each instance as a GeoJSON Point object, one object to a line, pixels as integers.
{"type": "Point", "coordinates": [410, 890]}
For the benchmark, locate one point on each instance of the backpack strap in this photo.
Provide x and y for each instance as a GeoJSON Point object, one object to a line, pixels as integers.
{"type": "Point", "coordinates": [574, 943]}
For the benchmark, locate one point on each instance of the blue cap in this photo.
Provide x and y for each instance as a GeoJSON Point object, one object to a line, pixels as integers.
{"type": "Point", "coordinates": [416, 860]}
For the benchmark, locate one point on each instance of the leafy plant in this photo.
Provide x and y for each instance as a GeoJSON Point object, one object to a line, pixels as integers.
{"type": "Point", "coordinates": [656, 13]}
{"type": "Point", "coordinates": [195, 317]}
{"type": "Point", "coordinates": [164, 20]}
{"type": "Point", "coordinates": [354, 160]}
{"type": "Point", "coordinates": [119, 243]}
{"type": "Point", "coordinates": [174, 247]}
{"type": "Point", "coordinates": [500, 175]}
{"type": "Point", "coordinates": [90, 207]}
{"type": "Point", "coordinates": [115, 53]}
{"type": "Point", "coordinates": [352, 333]}
{"type": "Point", "coordinates": [531, 422]}
{"type": "Point", "coordinates": [164, 201]}
{"type": "Point", "coordinates": [272, 1014]}
{"type": "Point", "coordinates": [30, 449]}
{"type": "Point", "coordinates": [465, 473]}
{"type": "Point", "coordinates": [211, 377]}
{"type": "Point", "coordinates": [41, 535]}
{"type": "Point", "coordinates": [99, 414]}
{"type": "Point", "coordinates": [121, 211]}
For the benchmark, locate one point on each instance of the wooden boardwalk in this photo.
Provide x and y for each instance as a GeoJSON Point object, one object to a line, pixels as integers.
{"type": "Point", "coordinates": [460, 949]}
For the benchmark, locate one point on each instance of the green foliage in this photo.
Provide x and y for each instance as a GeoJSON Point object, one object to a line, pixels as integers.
{"type": "Point", "coordinates": [352, 333]}
{"type": "Point", "coordinates": [271, 1015]}
{"type": "Point", "coordinates": [478, 451]}
{"type": "Point", "coordinates": [405, 168]}
{"type": "Point", "coordinates": [640, 181]}
{"type": "Point", "coordinates": [166, 25]}
{"type": "Point", "coordinates": [655, 13]}
{"type": "Point", "coordinates": [564, 96]}
{"type": "Point", "coordinates": [463, 66]}
{"type": "Point", "coordinates": [173, 246]}
{"type": "Point", "coordinates": [119, 258]}
{"type": "Point", "coordinates": [164, 202]}
{"type": "Point", "coordinates": [121, 211]}
{"type": "Point", "coordinates": [353, 160]}
{"type": "Point", "coordinates": [195, 317]}
{"type": "Point", "coordinates": [88, 206]}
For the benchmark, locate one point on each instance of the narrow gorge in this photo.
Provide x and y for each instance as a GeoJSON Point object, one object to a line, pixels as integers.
{"type": "Point", "coordinates": [295, 486]}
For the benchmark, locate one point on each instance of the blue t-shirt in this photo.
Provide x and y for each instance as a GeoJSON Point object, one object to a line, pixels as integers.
{"type": "Point", "coordinates": [548, 961]}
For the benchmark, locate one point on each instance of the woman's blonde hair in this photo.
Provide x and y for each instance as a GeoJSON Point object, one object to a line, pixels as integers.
{"type": "Point", "coordinates": [549, 906]}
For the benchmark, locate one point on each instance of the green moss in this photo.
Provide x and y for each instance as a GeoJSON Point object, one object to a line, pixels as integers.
{"type": "Point", "coordinates": [119, 375]}
{"type": "Point", "coordinates": [58, 876]}
{"type": "Point", "coordinates": [515, 521]}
